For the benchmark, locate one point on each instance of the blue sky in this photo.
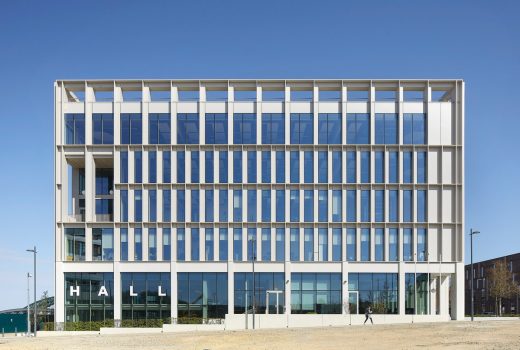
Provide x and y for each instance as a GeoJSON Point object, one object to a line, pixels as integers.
{"type": "Point", "coordinates": [40, 42]}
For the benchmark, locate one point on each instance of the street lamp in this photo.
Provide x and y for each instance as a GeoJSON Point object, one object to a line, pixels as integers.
{"type": "Point", "coordinates": [253, 258]}
{"type": "Point", "coordinates": [28, 305]}
{"type": "Point", "coordinates": [34, 274]}
{"type": "Point", "coordinates": [471, 233]}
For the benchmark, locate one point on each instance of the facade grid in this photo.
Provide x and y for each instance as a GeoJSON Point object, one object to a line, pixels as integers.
{"type": "Point", "coordinates": [346, 193]}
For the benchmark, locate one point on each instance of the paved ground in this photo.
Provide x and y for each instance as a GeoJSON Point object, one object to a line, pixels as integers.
{"type": "Point", "coordinates": [451, 335]}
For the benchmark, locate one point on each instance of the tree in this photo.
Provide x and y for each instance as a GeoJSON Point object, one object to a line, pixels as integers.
{"type": "Point", "coordinates": [43, 304]}
{"type": "Point", "coordinates": [501, 284]}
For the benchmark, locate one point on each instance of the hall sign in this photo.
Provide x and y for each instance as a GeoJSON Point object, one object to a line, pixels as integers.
{"type": "Point", "coordinates": [74, 291]}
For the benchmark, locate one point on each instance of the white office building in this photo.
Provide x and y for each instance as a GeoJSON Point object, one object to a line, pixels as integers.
{"type": "Point", "coordinates": [303, 201]}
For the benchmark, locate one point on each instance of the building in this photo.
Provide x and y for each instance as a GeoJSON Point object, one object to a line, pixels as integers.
{"type": "Point", "coordinates": [484, 303]}
{"type": "Point", "coordinates": [350, 193]}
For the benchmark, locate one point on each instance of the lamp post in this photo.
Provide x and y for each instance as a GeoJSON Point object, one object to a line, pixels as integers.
{"type": "Point", "coordinates": [34, 276]}
{"type": "Point", "coordinates": [471, 233]}
{"type": "Point", "coordinates": [28, 306]}
{"type": "Point", "coordinates": [253, 258]}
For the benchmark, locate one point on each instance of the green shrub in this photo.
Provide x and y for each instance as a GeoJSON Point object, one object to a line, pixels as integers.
{"type": "Point", "coordinates": [48, 326]}
{"type": "Point", "coordinates": [153, 323]}
{"type": "Point", "coordinates": [88, 326]}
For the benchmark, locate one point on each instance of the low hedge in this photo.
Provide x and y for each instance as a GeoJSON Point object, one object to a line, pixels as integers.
{"type": "Point", "coordinates": [88, 326]}
{"type": "Point", "coordinates": [155, 323]}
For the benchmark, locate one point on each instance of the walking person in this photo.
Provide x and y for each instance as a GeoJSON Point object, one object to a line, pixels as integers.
{"type": "Point", "coordinates": [368, 315]}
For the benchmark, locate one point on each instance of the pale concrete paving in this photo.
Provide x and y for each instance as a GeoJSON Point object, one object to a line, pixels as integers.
{"type": "Point", "coordinates": [449, 335]}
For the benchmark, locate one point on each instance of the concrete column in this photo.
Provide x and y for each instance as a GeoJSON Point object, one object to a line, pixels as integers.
{"type": "Point", "coordinates": [401, 291]}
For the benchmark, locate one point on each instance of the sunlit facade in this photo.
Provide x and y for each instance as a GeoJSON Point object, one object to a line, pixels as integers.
{"type": "Point", "coordinates": [344, 194]}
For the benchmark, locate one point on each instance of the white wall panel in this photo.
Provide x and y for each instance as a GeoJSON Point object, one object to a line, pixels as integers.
{"type": "Point", "coordinates": [434, 123]}
{"type": "Point", "coordinates": [447, 166]}
{"type": "Point", "coordinates": [433, 166]}
{"type": "Point", "coordinates": [447, 205]}
{"type": "Point", "coordinates": [433, 205]}
{"type": "Point", "coordinates": [446, 124]}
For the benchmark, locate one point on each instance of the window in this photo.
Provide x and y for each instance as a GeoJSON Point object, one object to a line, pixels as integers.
{"type": "Point", "coordinates": [308, 244]}
{"type": "Point", "coordinates": [280, 205]}
{"type": "Point", "coordinates": [223, 166]}
{"type": "Point", "coordinates": [329, 95]}
{"type": "Point", "coordinates": [407, 167]}
{"type": "Point", "coordinates": [195, 205]}
{"type": "Point", "coordinates": [294, 236]}
{"type": "Point", "coordinates": [167, 245]}
{"type": "Point", "coordinates": [323, 244]}
{"type": "Point", "coordinates": [295, 167]}
{"type": "Point", "coordinates": [380, 167]}
{"type": "Point", "coordinates": [209, 203]}
{"type": "Point", "coordinates": [216, 95]}
{"type": "Point", "coordinates": [273, 128]}
{"type": "Point", "coordinates": [266, 205]}
{"type": "Point", "coordinates": [302, 129]}
{"type": "Point", "coordinates": [393, 204]}
{"type": "Point", "coordinates": [407, 244]}
{"type": "Point", "coordinates": [386, 128]}
{"type": "Point", "coordinates": [195, 244]}
{"type": "Point", "coordinates": [244, 128]}
{"type": "Point", "coordinates": [181, 167]}
{"type": "Point", "coordinates": [266, 167]}
{"type": "Point", "coordinates": [365, 244]}
{"type": "Point", "coordinates": [308, 205]}
{"type": "Point", "coordinates": [75, 244]}
{"type": "Point", "coordinates": [273, 95]}
{"type": "Point", "coordinates": [316, 293]}
{"type": "Point", "coordinates": [407, 206]}
{"type": "Point", "coordinates": [380, 205]}
{"type": "Point", "coordinates": [280, 167]}
{"type": "Point", "coordinates": [188, 129]}
{"type": "Point", "coordinates": [159, 129]}
{"type": "Point", "coordinates": [365, 167]}
{"type": "Point", "coordinates": [124, 205]}
{"type": "Point", "coordinates": [251, 244]}
{"type": "Point", "coordinates": [351, 167]}
{"type": "Point", "coordinates": [181, 204]}
{"type": "Point", "coordinates": [237, 244]}
{"type": "Point", "coordinates": [74, 129]}
{"type": "Point", "coordinates": [251, 167]}
{"type": "Point", "coordinates": [223, 205]}
{"type": "Point", "coordinates": [421, 205]}
{"type": "Point", "coordinates": [245, 95]}
{"type": "Point", "coordinates": [138, 206]}
{"type": "Point", "coordinates": [323, 167]}
{"type": "Point", "coordinates": [131, 129]}
{"type": "Point", "coordinates": [422, 245]}
{"type": "Point", "coordinates": [322, 206]}
{"type": "Point", "coordinates": [393, 244]}
{"type": "Point", "coordinates": [152, 244]}
{"type": "Point", "coordinates": [336, 167]}
{"type": "Point", "coordinates": [124, 166]}
{"type": "Point", "coordinates": [265, 281]}
{"type": "Point", "coordinates": [372, 289]}
{"type": "Point", "coordinates": [266, 244]}
{"type": "Point", "coordinates": [102, 129]}
{"type": "Point", "coordinates": [358, 128]}
{"type": "Point", "coordinates": [301, 95]}
{"type": "Point", "coordinates": [138, 166]}
{"type": "Point", "coordinates": [351, 206]}
{"type": "Point", "coordinates": [152, 205]}
{"type": "Point", "coordinates": [138, 244]}
{"type": "Point", "coordinates": [208, 169]}
{"type": "Point", "coordinates": [336, 244]}
{"type": "Point", "coordinates": [308, 165]}
{"type": "Point", "coordinates": [294, 202]}
{"type": "Point", "coordinates": [393, 166]}
{"type": "Point", "coordinates": [357, 95]}
{"type": "Point", "coordinates": [216, 129]}
{"type": "Point", "coordinates": [379, 244]}
{"type": "Point", "coordinates": [351, 244]}
{"type": "Point", "coordinates": [237, 205]}
{"type": "Point", "coordinates": [124, 244]}
{"type": "Point", "coordinates": [223, 244]}
{"type": "Point", "coordinates": [280, 244]}
{"type": "Point", "coordinates": [365, 206]}
{"type": "Point", "coordinates": [414, 129]}
{"type": "Point", "coordinates": [166, 167]}
{"type": "Point", "coordinates": [195, 167]}
{"type": "Point", "coordinates": [336, 205]}
{"type": "Point", "coordinates": [209, 244]}
{"type": "Point", "coordinates": [181, 244]}
{"type": "Point", "coordinates": [421, 167]}
{"type": "Point", "coordinates": [329, 128]}
{"type": "Point", "coordinates": [251, 205]}
{"type": "Point", "coordinates": [237, 167]}
{"type": "Point", "coordinates": [152, 167]}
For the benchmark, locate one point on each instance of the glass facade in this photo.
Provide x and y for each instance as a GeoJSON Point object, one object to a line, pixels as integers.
{"type": "Point", "coordinates": [377, 290]}
{"type": "Point", "coordinates": [145, 296]}
{"type": "Point", "coordinates": [264, 282]}
{"type": "Point", "coordinates": [201, 296]}
{"type": "Point", "coordinates": [89, 296]}
{"type": "Point", "coordinates": [316, 293]}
